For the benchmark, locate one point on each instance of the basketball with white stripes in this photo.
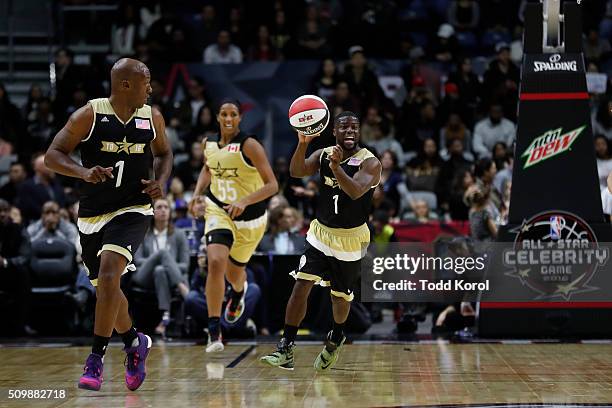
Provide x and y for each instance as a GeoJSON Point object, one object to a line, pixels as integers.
{"type": "Point", "coordinates": [309, 114]}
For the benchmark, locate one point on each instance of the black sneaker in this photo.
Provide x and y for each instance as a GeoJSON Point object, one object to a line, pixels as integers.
{"type": "Point", "coordinates": [235, 307]}
{"type": "Point", "coordinates": [329, 355]}
{"type": "Point", "coordinates": [282, 357]}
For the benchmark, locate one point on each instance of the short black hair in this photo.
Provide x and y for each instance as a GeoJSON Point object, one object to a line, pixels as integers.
{"type": "Point", "coordinates": [345, 114]}
{"type": "Point", "coordinates": [482, 166]}
{"type": "Point", "coordinates": [233, 101]}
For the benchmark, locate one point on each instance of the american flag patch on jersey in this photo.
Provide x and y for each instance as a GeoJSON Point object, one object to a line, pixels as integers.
{"type": "Point", "coordinates": [233, 147]}
{"type": "Point", "coordinates": [355, 161]}
{"type": "Point", "coordinates": [143, 124]}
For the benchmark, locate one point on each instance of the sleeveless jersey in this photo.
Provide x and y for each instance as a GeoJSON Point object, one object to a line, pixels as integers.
{"type": "Point", "coordinates": [123, 146]}
{"type": "Point", "coordinates": [334, 207]}
{"type": "Point", "coordinates": [233, 177]}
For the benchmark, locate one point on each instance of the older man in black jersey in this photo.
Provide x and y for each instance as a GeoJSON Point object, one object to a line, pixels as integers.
{"type": "Point", "coordinates": [337, 238]}
{"type": "Point", "coordinates": [121, 140]}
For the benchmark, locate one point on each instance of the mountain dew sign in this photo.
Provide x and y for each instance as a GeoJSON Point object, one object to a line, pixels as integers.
{"type": "Point", "coordinates": [550, 144]}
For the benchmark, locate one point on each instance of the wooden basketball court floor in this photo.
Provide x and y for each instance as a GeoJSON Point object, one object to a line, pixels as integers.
{"type": "Point", "coordinates": [367, 375]}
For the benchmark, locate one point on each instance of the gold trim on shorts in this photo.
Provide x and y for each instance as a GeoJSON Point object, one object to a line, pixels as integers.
{"type": "Point", "coordinates": [117, 249]}
{"type": "Point", "coordinates": [348, 298]}
{"type": "Point", "coordinates": [91, 225]}
{"type": "Point", "coordinates": [310, 277]}
{"type": "Point", "coordinates": [344, 244]}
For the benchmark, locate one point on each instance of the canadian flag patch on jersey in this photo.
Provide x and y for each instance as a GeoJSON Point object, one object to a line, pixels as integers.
{"type": "Point", "coordinates": [233, 147]}
{"type": "Point", "coordinates": [143, 124]}
{"type": "Point", "coordinates": [354, 161]}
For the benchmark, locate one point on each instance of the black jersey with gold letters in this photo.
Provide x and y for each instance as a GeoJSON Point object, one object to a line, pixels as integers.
{"type": "Point", "coordinates": [126, 147]}
{"type": "Point", "coordinates": [334, 207]}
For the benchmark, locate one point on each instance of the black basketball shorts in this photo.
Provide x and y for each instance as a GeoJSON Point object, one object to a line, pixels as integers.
{"type": "Point", "coordinates": [123, 234]}
{"type": "Point", "coordinates": [333, 257]}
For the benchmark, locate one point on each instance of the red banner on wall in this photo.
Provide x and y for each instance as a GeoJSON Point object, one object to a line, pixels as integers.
{"type": "Point", "coordinates": [428, 232]}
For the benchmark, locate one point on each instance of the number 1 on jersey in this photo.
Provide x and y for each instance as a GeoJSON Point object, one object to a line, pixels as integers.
{"type": "Point", "coordinates": [335, 198]}
{"type": "Point", "coordinates": [119, 173]}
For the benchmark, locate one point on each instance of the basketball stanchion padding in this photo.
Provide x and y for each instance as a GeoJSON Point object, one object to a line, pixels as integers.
{"type": "Point", "coordinates": [555, 189]}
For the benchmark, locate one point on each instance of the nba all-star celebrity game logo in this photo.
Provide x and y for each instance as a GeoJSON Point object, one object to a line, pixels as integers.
{"type": "Point", "coordinates": [556, 254]}
{"type": "Point", "coordinates": [550, 144]}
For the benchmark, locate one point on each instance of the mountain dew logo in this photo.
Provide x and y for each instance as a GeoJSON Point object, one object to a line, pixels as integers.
{"type": "Point", "coordinates": [550, 144]}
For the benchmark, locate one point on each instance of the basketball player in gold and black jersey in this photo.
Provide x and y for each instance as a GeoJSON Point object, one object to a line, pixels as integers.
{"type": "Point", "coordinates": [122, 141]}
{"type": "Point", "coordinates": [240, 179]}
{"type": "Point", "coordinates": [337, 238]}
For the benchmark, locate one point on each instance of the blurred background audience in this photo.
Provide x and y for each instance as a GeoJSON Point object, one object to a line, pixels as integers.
{"type": "Point", "coordinates": [435, 84]}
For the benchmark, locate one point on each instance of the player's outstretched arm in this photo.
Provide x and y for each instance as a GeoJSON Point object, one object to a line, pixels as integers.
{"type": "Point", "coordinates": [300, 166]}
{"type": "Point", "coordinates": [367, 176]}
{"type": "Point", "coordinates": [162, 159]}
{"type": "Point", "coordinates": [202, 183]}
{"type": "Point", "coordinates": [256, 153]}
{"type": "Point", "coordinates": [66, 140]}
{"type": "Point", "coordinates": [204, 177]}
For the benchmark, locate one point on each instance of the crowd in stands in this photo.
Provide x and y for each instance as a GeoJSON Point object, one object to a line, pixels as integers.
{"type": "Point", "coordinates": [447, 149]}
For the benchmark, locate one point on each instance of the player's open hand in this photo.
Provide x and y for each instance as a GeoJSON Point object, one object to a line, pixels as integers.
{"type": "Point", "coordinates": [190, 206]}
{"type": "Point", "coordinates": [153, 188]}
{"type": "Point", "coordinates": [302, 138]}
{"type": "Point", "coordinates": [98, 174]}
{"type": "Point", "coordinates": [234, 210]}
{"type": "Point", "coordinates": [335, 157]}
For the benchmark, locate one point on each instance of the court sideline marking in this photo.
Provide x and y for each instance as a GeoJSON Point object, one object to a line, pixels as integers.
{"type": "Point", "coordinates": [241, 357]}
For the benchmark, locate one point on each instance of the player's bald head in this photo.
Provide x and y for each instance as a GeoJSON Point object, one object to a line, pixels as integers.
{"type": "Point", "coordinates": [127, 69]}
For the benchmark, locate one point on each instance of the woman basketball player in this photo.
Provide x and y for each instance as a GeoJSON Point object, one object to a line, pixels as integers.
{"type": "Point", "coordinates": [240, 179]}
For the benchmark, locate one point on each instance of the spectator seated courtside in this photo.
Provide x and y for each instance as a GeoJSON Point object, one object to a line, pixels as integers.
{"type": "Point", "coordinates": [17, 175]}
{"type": "Point", "coordinates": [53, 227]}
{"type": "Point", "coordinates": [162, 263]}
{"type": "Point", "coordinates": [35, 191]}
{"type": "Point", "coordinates": [280, 238]}
{"type": "Point", "coordinates": [192, 224]}
{"type": "Point", "coordinates": [493, 129]}
{"type": "Point", "coordinates": [196, 306]}
{"type": "Point", "coordinates": [14, 273]}
{"type": "Point", "coordinates": [54, 277]}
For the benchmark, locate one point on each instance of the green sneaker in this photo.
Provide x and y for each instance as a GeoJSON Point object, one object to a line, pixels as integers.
{"type": "Point", "coordinates": [282, 357]}
{"type": "Point", "coordinates": [326, 359]}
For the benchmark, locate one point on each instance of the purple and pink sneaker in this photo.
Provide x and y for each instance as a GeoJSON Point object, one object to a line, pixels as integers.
{"type": "Point", "coordinates": [92, 377]}
{"type": "Point", "coordinates": [135, 367]}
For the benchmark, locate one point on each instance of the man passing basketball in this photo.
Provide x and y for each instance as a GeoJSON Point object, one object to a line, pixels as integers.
{"type": "Point", "coordinates": [337, 238]}
{"type": "Point", "coordinates": [121, 139]}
